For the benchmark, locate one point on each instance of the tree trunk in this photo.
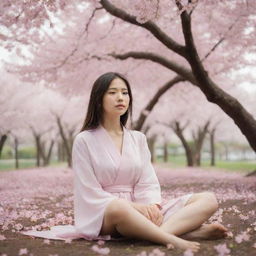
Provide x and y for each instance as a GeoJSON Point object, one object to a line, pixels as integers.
{"type": "Point", "coordinates": [58, 152]}
{"type": "Point", "coordinates": [48, 156]}
{"type": "Point", "coordinates": [151, 145]}
{"type": "Point", "coordinates": [65, 141]}
{"type": "Point", "coordinates": [144, 113]}
{"type": "Point", "coordinates": [38, 149]}
{"type": "Point", "coordinates": [71, 138]}
{"type": "Point", "coordinates": [253, 173]}
{"type": "Point", "coordinates": [2, 141]}
{"type": "Point", "coordinates": [188, 151]}
{"type": "Point", "coordinates": [165, 151]}
{"type": "Point", "coordinates": [212, 138]}
{"type": "Point", "coordinates": [193, 152]}
{"type": "Point", "coordinates": [61, 157]}
{"type": "Point", "coordinates": [198, 142]}
{"type": "Point", "coordinates": [16, 152]}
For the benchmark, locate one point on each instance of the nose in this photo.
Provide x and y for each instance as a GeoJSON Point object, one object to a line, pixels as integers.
{"type": "Point", "coordinates": [120, 96]}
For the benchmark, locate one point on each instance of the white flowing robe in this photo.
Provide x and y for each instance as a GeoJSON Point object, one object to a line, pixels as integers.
{"type": "Point", "coordinates": [102, 174]}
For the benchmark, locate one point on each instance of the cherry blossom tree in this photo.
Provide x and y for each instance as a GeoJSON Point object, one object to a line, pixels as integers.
{"type": "Point", "coordinates": [50, 117]}
{"type": "Point", "coordinates": [12, 98]}
{"type": "Point", "coordinates": [198, 74]}
{"type": "Point", "coordinates": [153, 24]}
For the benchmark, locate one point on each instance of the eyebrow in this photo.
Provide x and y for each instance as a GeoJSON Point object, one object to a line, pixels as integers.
{"type": "Point", "coordinates": [113, 88]}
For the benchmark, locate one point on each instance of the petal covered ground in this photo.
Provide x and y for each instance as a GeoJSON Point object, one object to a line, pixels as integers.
{"type": "Point", "coordinates": [41, 198]}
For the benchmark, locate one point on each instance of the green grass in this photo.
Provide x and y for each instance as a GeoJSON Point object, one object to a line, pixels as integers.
{"type": "Point", "coordinates": [8, 165]}
{"type": "Point", "coordinates": [244, 166]}
{"type": "Point", "coordinates": [240, 166]}
{"type": "Point", "coordinates": [174, 161]}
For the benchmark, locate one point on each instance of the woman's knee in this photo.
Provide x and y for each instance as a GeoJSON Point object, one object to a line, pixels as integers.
{"type": "Point", "coordinates": [211, 201]}
{"type": "Point", "coordinates": [117, 209]}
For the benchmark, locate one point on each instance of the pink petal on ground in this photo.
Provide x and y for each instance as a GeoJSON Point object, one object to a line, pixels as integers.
{"type": "Point", "coordinates": [101, 242]}
{"type": "Point", "coordinates": [222, 249]}
{"type": "Point", "coordinates": [157, 252]}
{"type": "Point", "coordinates": [242, 237]}
{"type": "Point", "coordinates": [243, 217]}
{"type": "Point", "coordinates": [169, 246]}
{"type": "Point", "coordinates": [18, 226]}
{"type": "Point", "coordinates": [238, 239]}
{"type": "Point", "coordinates": [33, 218]}
{"type": "Point", "coordinates": [68, 241]}
{"type": "Point", "coordinates": [23, 251]}
{"type": "Point", "coordinates": [2, 237]}
{"type": "Point", "coordinates": [254, 245]}
{"type": "Point", "coordinates": [143, 253]}
{"type": "Point", "coordinates": [230, 234]}
{"type": "Point", "coordinates": [103, 251]}
{"type": "Point", "coordinates": [46, 241]}
{"type": "Point", "coordinates": [188, 252]}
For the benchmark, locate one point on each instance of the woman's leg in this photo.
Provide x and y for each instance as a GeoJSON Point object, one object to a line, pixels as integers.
{"type": "Point", "coordinates": [121, 217]}
{"type": "Point", "coordinates": [198, 209]}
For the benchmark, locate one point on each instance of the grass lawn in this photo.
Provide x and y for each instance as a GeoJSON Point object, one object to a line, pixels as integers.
{"type": "Point", "coordinates": [9, 164]}
{"type": "Point", "coordinates": [174, 161]}
{"type": "Point", "coordinates": [240, 166]}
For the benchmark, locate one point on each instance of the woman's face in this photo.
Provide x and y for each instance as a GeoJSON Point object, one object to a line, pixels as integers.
{"type": "Point", "coordinates": [116, 99]}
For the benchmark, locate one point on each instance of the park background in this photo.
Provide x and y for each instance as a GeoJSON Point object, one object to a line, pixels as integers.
{"type": "Point", "coordinates": [191, 65]}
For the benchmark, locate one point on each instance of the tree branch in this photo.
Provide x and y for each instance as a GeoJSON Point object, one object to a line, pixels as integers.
{"type": "Point", "coordinates": [149, 25]}
{"type": "Point", "coordinates": [154, 100]}
{"type": "Point", "coordinates": [182, 71]}
{"type": "Point", "coordinates": [220, 40]}
{"type": "Point", "coordinates": [230, 105]}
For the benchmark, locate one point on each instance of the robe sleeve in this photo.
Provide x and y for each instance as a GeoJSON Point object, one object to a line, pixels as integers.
{"type": "Point", "coordinates": [90, 200]}
{"type": "Point", "coordinates": [147, 189]}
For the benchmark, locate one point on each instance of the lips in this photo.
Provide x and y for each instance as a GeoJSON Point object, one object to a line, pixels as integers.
{"type": "Point", "coordinates": [120, 105]}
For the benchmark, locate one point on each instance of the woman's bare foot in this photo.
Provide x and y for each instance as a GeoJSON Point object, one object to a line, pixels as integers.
{"type": "Point", "coordinates": [180, 243]}
{"type": "Point", "coordinates": [207, 232]}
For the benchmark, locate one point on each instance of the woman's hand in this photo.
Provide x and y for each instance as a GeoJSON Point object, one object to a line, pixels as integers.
{"type": "Point", "coordinates": [151, 212]}
{"type": "Point", "coordinates": [155, 214]}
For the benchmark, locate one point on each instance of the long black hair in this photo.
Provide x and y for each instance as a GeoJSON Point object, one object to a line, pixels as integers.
{"type": "Point", "coordinates": [95, 108]}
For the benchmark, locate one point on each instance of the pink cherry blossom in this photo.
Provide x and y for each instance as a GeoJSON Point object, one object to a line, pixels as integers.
{"type": "Point", "coordinates": [2, 237]}
{"type": "Point", "coordinates": [243, 236]}
{"type": "Point", "coordinates": [169, 246]}
{"type": "Point", "coordinates": [101, 242]}
{"type": "Point", "coordinates": [23, 251]}
{"type": "Point", "coordinates": [156, 252]}
{"type": "Point", "coordinates": [102, 251]}
{"type": "Point", "coordinates": [243, 217]}
{"type": "Point", "coordinates": [188, 252]}
{"type": "Point", "coordinates": [222, 249]}
{"type": "Point", "coordinates": [143, 253]}
{"type": "Point", "coordinates": [230, 234]}
{"type": "Point", "coordinates": [47, 241]}
{"type": "Point", "coordinates": [68, 241]}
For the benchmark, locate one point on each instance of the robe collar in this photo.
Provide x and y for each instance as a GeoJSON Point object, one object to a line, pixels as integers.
{"type": "Point", "coordinates": [110, 146]}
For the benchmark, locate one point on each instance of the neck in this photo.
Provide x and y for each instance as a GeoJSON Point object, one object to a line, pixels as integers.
{"type": "Point", "coordinates": [112, 124]}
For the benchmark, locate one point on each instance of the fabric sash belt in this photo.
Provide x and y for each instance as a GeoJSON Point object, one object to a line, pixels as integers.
{"type": "Point", "coordinates": [118, 188]}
